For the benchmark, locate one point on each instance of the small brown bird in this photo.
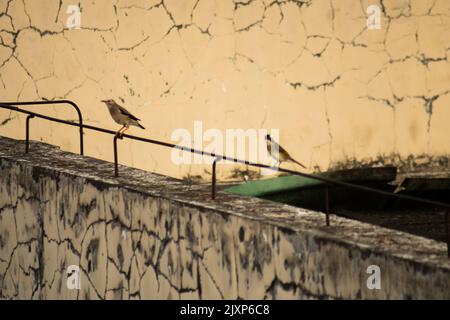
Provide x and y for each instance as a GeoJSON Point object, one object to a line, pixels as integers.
{"type": "Point", "coordinates": [122, 116]}
{"type": "Point", "coordinates": [278, 153]}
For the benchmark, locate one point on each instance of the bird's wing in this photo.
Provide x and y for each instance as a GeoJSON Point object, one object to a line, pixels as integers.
{"type": "Point", "coordinates": [281, 150]}
{"type": "Point", "coordinates": [274, 144]}
{"type": "Point", "coordinates": [125, 112]}
{"type": "Point", "coordinates": [276, 151]}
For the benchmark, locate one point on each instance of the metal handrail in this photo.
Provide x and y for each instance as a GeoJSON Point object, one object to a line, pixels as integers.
{"type": "Point", "coordinates": [51, 102]}
{"type": "Point", "coordinates": [217, 157]}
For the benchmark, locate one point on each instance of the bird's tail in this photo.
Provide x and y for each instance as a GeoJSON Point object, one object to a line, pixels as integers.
{"type": "Point", "coordinates": [140, 126]}
{"type": "Point", "coordinates": [298, 163]}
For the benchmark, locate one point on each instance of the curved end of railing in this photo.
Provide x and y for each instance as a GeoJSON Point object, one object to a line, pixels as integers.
{"type": "Point", "coordinates": [51, 102]}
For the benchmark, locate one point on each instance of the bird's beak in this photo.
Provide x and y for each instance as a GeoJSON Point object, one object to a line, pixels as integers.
{"type": "Point", "coordinates": [105, 101]}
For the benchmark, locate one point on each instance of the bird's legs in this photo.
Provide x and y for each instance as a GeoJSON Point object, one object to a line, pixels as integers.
{"type": "Point", "coordinates": [125, 128]}
{"type": "Point", "coordinates": [119, 133]}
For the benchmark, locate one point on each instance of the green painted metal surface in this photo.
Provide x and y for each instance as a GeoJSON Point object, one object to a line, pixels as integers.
{"type": "Point", "coordinates": [287, 184]}
{"type": "Point", "coordinates": [260, 188]}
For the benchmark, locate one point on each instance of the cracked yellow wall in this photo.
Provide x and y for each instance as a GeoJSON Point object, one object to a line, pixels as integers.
{"type": "Point", "coordinates": [335, 89]}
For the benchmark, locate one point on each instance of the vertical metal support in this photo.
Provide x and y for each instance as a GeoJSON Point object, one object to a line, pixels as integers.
{"type": "Point", "coordinates": [81, 137]}
{"type": "Point", "coordinates": [27, 133]}
{"type": "Point", "coordinates": [447, 228]}
{"type": "Point", "coordinates": [80, 122]}
{"type": "Point", "coordinates": [213, 186]}
{"type": "Point", "coordinates": [327, 205]}
{"type": "Point", "coordinates": [116, 165]}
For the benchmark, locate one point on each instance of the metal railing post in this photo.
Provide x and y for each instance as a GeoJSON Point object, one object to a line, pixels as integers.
{"type": "Point", "coordinates": [327, 205]}
{"type": "Point", "coordinates": [27, 132]}
{"type": "Point", "coordinates": [447, 228]}
{"type": "Point", "coordinates": [213, 180]}
{"type": "Point", "coordinates": [116, 165]}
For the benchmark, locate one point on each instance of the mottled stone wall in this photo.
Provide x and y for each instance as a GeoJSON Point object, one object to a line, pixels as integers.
{"type": "Point", "coordinates": [311, 68]}
{"type": "Point", "coordinates": [145, 236]}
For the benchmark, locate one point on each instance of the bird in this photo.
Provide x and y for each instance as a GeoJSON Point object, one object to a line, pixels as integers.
{"type": "Point", "coordinates": [278, 152]}
{"type": "Point", "coordinates": [121, 116]}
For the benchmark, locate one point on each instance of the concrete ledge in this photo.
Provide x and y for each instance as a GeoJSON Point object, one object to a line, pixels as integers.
{"type": "Point", "coordinates": [144, 235]}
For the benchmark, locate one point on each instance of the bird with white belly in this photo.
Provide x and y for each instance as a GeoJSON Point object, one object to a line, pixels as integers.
{"type": "Point", "coordinates": [122, 116]}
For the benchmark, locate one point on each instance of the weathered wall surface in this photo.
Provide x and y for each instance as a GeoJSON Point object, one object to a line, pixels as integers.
{"type": "Point", "coordinates": [311, 68]}
{"type": "Point", "coordinates": [148, 236]}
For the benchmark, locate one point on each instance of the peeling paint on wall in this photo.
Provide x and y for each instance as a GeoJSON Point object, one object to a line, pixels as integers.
{"type": "Point", "coordinates": [335, 89]}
